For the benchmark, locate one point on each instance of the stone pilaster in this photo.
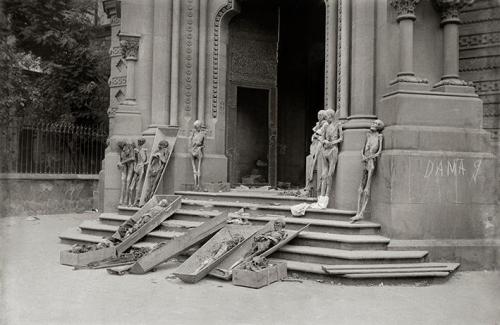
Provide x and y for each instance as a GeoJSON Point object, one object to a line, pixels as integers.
{"type": "Point", "coordinates": [343, 55]}
{"type": "Point", "coordinates": [406, 17]}
{"type": "Point", "coordinates": [330, 53]}
{"type": "Point", "coordinates": [174, 76]}
{"type": "Point", "coordinates": [129, 45]}
{"type": "Point", "coordinates": [450, 12]}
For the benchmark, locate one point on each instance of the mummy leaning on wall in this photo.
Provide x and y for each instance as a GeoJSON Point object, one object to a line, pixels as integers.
{"type": "Point", "coordinates": [140, 173]}
{"type": "Point", "coordinates": [322, 161]}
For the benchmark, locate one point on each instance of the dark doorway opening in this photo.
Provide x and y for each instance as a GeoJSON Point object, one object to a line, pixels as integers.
{"type": "Point", "coordinates": [279, 47]}
{"type": "Point", "coordinates": [252, 134]}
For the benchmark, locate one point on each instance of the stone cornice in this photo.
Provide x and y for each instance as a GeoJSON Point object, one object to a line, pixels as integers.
{"type": "Point", "coordinates": [405, 8]}
{"type": "Point", "coordinates": [129, 45]}
{"type": "Point", "coordinates": [450, 9]}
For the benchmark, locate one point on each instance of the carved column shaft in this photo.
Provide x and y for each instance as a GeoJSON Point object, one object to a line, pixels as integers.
{"type": "Point", "coordinates": [450, 51]}
{"type": "Point", "coordinates": [343, 56]}
{"type": "Point", "coordinates": [406, 18]}
{"type": "Point", "coordinates": [450, 11]}
{"type": "Point", "coordinates": [406, 47]}
{"type": "Point", "coordinates": [174, 78]}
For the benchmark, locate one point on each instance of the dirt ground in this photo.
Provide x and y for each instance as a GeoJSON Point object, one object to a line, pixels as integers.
{"type": "Point", "coordinates": [35, 289]}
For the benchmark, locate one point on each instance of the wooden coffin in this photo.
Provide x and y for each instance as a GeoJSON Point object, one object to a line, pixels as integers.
{"type": "Point", "coordinates": [190, 271]}
{"type": "Point", "coordinates": [174, 203]}
{"type": "Point", "coordinates": [82, 259]}
{"type": "Point", "coordinates": [225, 268]}
{"type": "Point", "coordinates": [177, 245]}
{"type": "Point", "coordinates": [276, 271]}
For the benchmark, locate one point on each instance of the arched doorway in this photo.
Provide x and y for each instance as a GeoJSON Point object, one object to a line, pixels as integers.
{"type": "Point", "coordinates": [275, 86]}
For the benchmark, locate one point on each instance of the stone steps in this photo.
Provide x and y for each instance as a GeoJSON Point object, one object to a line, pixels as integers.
{"type": "Point", "coordinates": [307, 238]}
{"type": "Point", "coordinates": [316, 225]}
{"type": "Point", "coordinates": [330, 239]}
{"type": "Point", "coordinates": [246, 197]}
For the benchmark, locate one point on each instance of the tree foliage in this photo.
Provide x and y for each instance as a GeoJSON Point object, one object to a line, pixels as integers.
{"type": "Point", "coordinates": [72, 84]}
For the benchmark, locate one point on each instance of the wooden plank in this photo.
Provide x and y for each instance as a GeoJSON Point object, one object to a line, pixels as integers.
{"type": "Point", "coordinates": [406, 270]}
{"type": "Point", "coordinates": [191, 270]}
{"type": "Point", "coordinates": [225, 268]}
{"type": "Point", "coordinates": [327, 268]}
{"type": "Point", "coordinates": [174, 203]}
{"type": "Point", "coordinates": [177, 245]}
{"type": "Point", "coordinates": [170, 135]}
{"type": "Point", "coordinates": [396, 275]}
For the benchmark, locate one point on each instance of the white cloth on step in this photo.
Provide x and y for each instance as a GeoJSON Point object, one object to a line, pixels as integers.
{"type": "Point", "coordinates": [321, 204]}
{"type": "Point", "coordinates": [299, 209]}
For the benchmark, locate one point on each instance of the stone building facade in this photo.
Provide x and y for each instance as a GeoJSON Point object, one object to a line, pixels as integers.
{"type": "Point", "coordinates": [256, 72]}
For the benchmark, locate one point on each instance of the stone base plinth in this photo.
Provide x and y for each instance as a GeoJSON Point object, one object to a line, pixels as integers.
{"type": "Point", "coordinates": [435, 195]}
{"type": "Point", "coordinates": [180, 171]}
{"type": "Point", "coordinates": [430, 108]}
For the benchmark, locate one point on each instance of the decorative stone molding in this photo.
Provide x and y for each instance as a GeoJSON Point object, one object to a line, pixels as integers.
{"type": "Point", "coordinates": [115, 51]}
{"type": "Point", "coordinates": [487, 86]}
{"type": "Point", "coordinates": [117, 81]}
{"type": "Point", "coordinates": [453, 82]}
{"type": "Point", "coordinates": [129, 45]}
{"type": "Point", "coordinates": [410, 79]}
{"type": "Point", "coordinates": [188, 60]}
{"type": "Point", "coordinates": [223, 11]}
{"type": "Point", "coordinates": [479, 40]}
{"type": "Point", "coordinates": [405, 8]}
{"type": "Point", "coordinates": [479, 63]}
{"type": "Point", "coordinates": [450, 9]}
{"type": "Point", "coordinates": [112, 111]}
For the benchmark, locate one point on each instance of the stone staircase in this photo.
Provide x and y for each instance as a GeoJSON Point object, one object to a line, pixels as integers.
{"type": "Point", "coordinates": [330, 239]}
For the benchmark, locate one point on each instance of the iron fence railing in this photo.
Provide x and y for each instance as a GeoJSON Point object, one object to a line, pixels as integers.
{"type": "Point", "coordinates": [52, 148]}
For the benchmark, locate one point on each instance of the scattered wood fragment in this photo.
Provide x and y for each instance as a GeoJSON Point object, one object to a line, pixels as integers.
{"type": "Point", "coordinates": [177, 245]}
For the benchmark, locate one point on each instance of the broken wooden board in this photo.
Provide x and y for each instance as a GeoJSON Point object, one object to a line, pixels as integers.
{"type": "Point", "coordinates": [174, 203]}
{"type": "Point", "coordinates": [342, 270]}
{"type": "Point", "coordinates": [170, 134]}
{"type": "Point", "coordinates": [225, 268]}
{"type": "Point", "coordinates": [192, 270]}
{"type": "Point", "coordinates": [178, 245]}
{"type": "Point", "coordinates": [275, 271]}
{"type": "Point", "coordinates": [82, 259]}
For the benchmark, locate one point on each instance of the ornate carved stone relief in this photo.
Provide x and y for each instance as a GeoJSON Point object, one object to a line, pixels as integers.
{"type": "Point", "coordinates": [405, 8]}
{"type": "Point", "coordinates": [483, 39]}
{"type": "Point", "coordinates": [450, 9]}
{"type": "Point", "coordinates": [188, 60]}
{"type": "Point", "coordinates": [129, 46]}
{"type": "Point", "coordinates": [117, 81]}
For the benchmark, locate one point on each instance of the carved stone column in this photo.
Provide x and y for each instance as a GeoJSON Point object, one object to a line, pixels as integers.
{"type": "Point", "coordinates": [450, 11]}
{"type": "Point", "coordinates": [406, 17]}
{"type": "Point", "coordinates": [174, 70]}
{"type": "Point", "coordinates": [130, 47]}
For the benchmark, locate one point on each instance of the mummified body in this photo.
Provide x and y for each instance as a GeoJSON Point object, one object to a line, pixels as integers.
{"type": "Point", "coordinates": [267, 240]}
{"type": "Point", "coordinates": [314, 152]}
{"type": "Point", "coordinates": [139, 173]}
{"type": "Point", "coordinates": [371, 151]}
{"type": "Point", "coordinates": [220, 250]}
{"type": "Point", "coordinates": [196, 145]}
{"type": "Point", "coordinates": [126, 166]}
{"type": "Point", "coordinates": [331, 137]}
{"type": "Point", "coordinates": [135, 223]}
{"type": "Point", "coordinates": [158, 163]}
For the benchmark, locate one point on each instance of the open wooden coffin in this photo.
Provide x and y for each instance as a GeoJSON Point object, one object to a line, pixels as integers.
{"type": "Point", "coordinates": [174, 203]}
{"type": "Point", "coordinates": [191, 270]}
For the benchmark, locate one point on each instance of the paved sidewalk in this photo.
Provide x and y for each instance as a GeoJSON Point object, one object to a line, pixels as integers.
{"type": "Point", "coordinates": [35, 289]}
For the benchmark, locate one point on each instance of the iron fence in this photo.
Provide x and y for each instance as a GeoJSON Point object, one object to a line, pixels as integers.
{"type": "Point", "coordinates": [52, 148]}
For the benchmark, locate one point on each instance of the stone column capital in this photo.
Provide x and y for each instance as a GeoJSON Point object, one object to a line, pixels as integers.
{"type": "Point", "coordinates": [112, 8]}
{"type": "Point", "coordinates": [450, 10]}
{"type": "Point", "coordinates": [405, 8]}
{"type": "Point", "coordinates": [129, 45]}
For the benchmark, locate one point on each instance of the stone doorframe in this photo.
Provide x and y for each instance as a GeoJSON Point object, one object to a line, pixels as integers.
{"type": "Point", "coordinates": [232, 117]}
{"type": "Point", "coordinates": [336, 65]}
